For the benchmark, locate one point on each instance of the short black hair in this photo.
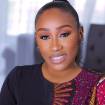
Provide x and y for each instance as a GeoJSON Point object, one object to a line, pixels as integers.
{"type": "Point", "coordinates": [60, 4]}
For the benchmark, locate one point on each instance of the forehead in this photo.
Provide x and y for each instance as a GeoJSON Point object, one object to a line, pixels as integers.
{"type": "Point", "coordinates": [57, 16]}
{"type": "Point", "coordinates": [55, 11]}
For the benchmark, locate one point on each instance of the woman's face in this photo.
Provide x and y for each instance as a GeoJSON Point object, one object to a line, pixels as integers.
{"type": "Point", "coordinates": [58, 38]}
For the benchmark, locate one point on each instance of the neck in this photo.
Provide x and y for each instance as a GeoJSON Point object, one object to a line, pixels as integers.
{"type": "Point", "coordinates": [60, 76]}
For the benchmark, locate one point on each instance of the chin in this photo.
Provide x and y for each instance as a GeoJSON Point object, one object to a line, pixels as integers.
{"type": "Point", "coordinates": [59, 67]}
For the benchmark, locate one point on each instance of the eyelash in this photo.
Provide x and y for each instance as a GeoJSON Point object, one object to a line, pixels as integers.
{"type": "Point", "coordinates": [46, 37]}
{"type": "Point", "coordinates": [65, 34]}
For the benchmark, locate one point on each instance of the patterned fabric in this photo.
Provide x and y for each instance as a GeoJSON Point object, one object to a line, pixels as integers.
{"type": "Point", "coordinates": [101, 92]}
{"type": "Point", "coordinates": [84, 86]}
{"type": "Point", "coordinates": [77, 91]}
{"type": "Point", "coordinates": [62, 93]}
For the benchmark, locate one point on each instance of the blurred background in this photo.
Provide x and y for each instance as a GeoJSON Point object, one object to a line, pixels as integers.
{"type": "Point", "coordinates": [17, 44]}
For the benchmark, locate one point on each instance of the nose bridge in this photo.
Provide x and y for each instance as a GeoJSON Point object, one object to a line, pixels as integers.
{"type": "Point", "coordinates": [56, 45]}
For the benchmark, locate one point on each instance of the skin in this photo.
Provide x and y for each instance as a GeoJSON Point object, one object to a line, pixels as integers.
{"type": "Point", "coordinates": [58, 39]}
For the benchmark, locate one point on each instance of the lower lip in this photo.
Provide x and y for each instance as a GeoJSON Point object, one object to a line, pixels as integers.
{"type": "Point", "coordinates": [58, 60]}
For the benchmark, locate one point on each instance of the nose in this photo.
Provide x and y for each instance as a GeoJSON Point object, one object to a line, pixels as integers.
{"type": "Point", "coordinates": [56, 45]}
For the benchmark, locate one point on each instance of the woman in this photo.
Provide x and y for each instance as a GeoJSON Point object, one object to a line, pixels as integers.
{"type": "Point", "coordinates": [59, 80]}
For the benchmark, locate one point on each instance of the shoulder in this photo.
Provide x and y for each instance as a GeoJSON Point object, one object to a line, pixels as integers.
{"type": "Point", "coordinates": [21, 70]}
{"type": "Point", "coordinates": [20, 73]}
{"type": "Point", "coordinates": [90, 76]}
{"type": "Point", "coordinates": [27, 67]}
{"type": "Point", "coordinates": [21, 78]}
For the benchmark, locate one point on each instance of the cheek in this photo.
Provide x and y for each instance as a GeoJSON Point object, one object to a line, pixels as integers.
{"type": "Point", "coordinates": [71, 47]}
{"type": "Point", "coordinates": [43, 48]}
{"type": "Point", "coordinates": [71, 44]}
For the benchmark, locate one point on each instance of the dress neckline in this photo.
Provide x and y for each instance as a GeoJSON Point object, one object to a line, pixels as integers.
{"type": "Point", "coordinates": [78, 75]}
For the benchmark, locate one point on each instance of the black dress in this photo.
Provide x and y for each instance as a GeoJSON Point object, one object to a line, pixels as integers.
{"type": "Point", "coordinates": [25, 85]}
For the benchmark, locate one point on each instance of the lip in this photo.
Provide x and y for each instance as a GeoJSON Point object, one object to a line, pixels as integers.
{"type": "Point", "coordinates": [57, 59]}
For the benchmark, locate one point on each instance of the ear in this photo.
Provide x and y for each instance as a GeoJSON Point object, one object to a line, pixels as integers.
{"type": "Point", "coordinates": [35, 35]}
{"type": "Point", "coordinates": [35, 39]}
{"type": "Point", "coordinates": [81, 32]}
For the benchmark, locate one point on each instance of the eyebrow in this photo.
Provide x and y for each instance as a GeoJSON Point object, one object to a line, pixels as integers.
{"type": "Point", "coordinates": [63, 26]}
{"type": "Point", "coordinates": [46, 29]}
{"type": "Point", "coordinates": [43, 29]}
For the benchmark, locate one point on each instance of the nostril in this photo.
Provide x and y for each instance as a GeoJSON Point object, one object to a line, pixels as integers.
{"type": "Point", "coordinates": [56, 45]}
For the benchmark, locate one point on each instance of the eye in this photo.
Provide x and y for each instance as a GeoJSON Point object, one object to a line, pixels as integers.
{"type": "Point", "coordinates": [44, 37]}
{"type": "Point", "coordinates": [65, 34]}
